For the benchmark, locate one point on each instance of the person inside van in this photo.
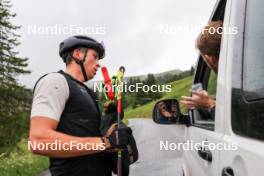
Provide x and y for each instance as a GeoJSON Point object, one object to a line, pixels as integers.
{"type": "Point", "coordinates": [208, 43]}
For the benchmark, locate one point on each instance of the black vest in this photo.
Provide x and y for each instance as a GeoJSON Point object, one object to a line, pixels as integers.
{"type": "Point", "coordinates": [81, 117]}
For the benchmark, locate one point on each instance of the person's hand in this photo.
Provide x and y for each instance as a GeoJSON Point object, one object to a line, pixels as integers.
{"type": "Point", "coordinates": [110, 107]}
{"type": "Point", "coordinates": [166, 114]}
{"type": "Point", "coordinates": [199, 99]}
{"type": "Point", "coordinates": [117, 137]}
{"type": "Point", "coordinates": [108, 133]}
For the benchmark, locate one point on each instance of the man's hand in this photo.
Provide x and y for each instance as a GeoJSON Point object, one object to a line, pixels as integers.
{"type": "Point", "coordinates": [199, 99]}
{"type": "Point", "coordinates": [117, 137]}
{"type": "Point", "coordinates": [108, 133]}
{"type": "Point", "coordinates": [167, 114]}
{"type": "Point", "coordinates": [111, 108]}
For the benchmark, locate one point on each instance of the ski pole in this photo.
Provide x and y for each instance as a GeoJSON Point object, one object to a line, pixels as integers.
{"type": "Point", "coordinates": [111, 93]}
{"type": "Point", "coordinates": [119, 78]}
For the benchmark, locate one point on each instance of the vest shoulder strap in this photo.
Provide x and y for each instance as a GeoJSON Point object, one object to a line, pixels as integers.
{"type": "Point", "coordinates": [60, 71]}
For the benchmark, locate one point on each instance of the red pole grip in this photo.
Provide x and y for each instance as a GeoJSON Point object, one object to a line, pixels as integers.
{"type": "Point", "coordinates": [108, 84]}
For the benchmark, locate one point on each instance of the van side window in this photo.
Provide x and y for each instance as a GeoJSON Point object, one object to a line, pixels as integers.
{"type": "Point", "coordinates": [253, 66]}
{"type": "Point", "coordinates": [248, 89]}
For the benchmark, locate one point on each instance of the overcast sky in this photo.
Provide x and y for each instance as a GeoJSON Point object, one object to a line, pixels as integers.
{"type": "Point", "coordinates": [144, 36]}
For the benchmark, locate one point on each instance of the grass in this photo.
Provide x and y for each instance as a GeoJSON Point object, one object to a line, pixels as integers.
{"type": "Point", "coordinates": [179, 88]}
{"type": "Point", "coordinates": [21, 162]}
{"type": "Point", "coordinates": [212, 84]}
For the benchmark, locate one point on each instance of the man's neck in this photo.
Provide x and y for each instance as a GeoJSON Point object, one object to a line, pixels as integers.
{"type": "Point", "coordinates": [75, 73]}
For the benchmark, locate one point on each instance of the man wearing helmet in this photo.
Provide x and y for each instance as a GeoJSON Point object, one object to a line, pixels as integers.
{"type": "Point", "coordinates": [65, 114]}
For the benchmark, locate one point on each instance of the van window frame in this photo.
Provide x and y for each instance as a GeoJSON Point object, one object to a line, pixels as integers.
{"type": "Point", "coordinates": [202, 73]}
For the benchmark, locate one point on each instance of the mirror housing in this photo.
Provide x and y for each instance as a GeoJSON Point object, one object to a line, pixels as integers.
{"type": "Point", "coordinates": [168, 112]}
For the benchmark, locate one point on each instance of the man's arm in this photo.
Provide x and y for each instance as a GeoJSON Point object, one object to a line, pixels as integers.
{"type": "Point", "coordinates": [50, 96]}
{"type": "Point", "coordinates": [43, 131]}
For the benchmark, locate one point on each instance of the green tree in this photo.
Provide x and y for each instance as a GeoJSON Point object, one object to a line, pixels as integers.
{"type": "Point", "coordinates": [151, 80]}
{"type": "Point", "coordinates": [192, 70]}
{"type": "Point", "coordinates": [14, 98]}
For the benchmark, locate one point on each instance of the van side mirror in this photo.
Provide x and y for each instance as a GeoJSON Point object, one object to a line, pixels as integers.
{"type": "Point", "coordinates": [166, 112]}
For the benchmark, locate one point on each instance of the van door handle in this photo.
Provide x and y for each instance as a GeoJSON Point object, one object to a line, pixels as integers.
{"type": "Point", "coordinates": [205, 154]}
{"type": "Point", "coordinates": [227, 171]}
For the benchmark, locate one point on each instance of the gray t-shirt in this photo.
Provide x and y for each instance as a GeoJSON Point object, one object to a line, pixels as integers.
{"type": "Point", "coordinates": [50, 96]}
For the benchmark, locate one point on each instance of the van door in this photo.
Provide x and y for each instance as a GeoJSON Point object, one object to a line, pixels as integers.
{"type": "Point", "coordinates": [204, 132]}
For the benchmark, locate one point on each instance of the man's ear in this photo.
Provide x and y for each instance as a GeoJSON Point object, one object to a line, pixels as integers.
{"type": "Point", "coordinates": [77, 53]}
{"type": "Point", "coordinates": [211, 59]}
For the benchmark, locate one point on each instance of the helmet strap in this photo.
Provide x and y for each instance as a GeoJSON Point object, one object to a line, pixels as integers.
{"type": "Point", "coordinates": [81, 63]}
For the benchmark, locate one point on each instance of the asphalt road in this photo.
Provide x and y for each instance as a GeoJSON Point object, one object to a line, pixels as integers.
{"type": "Point", "coordinates": [153, 161]}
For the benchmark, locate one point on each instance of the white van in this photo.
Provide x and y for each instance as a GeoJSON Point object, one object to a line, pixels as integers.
{"type": "Point", "coordinates": [239, 93]}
